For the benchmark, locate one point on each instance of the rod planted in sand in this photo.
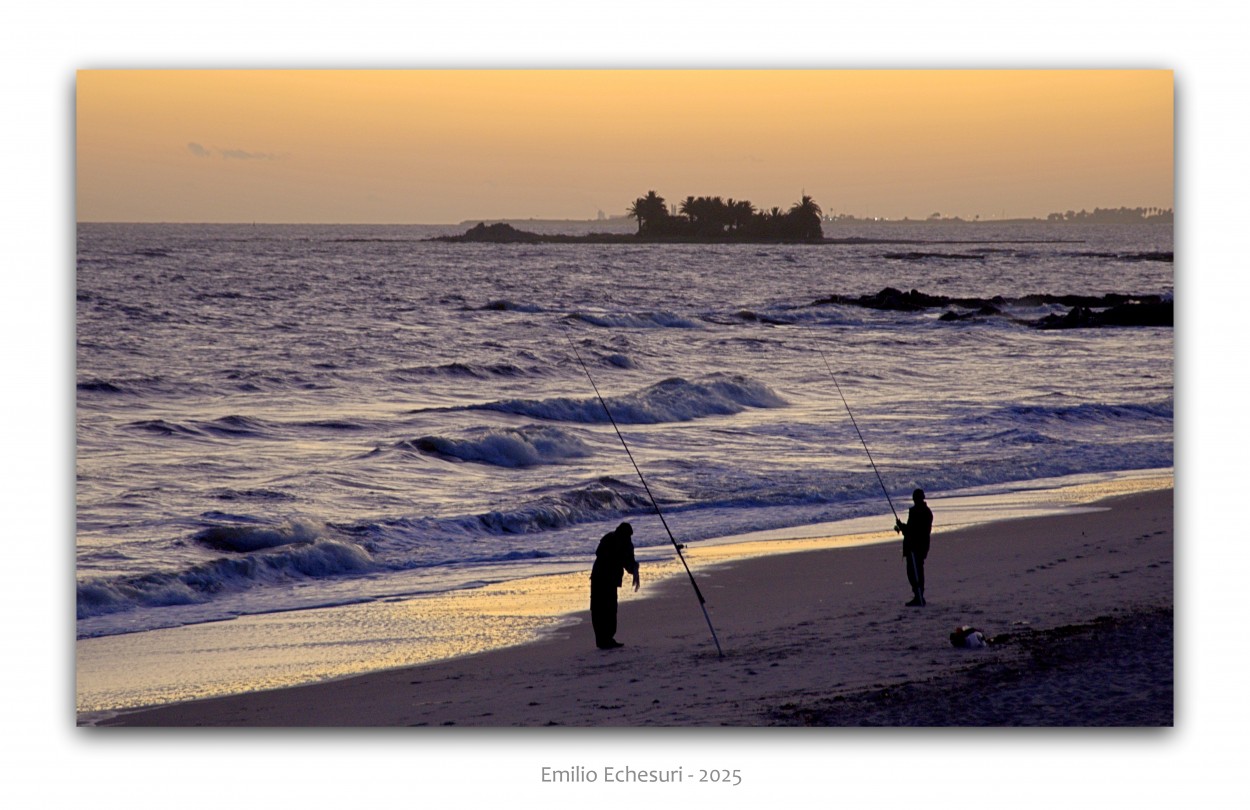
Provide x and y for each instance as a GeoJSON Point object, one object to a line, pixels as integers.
{"type": "Point", "coordinates": [676, 545]}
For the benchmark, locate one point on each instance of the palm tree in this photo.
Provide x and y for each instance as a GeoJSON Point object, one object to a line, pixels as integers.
{"type": "Point", "coordinates": [639, 211]}
{"type": "Point", "coordinates": [740, 214]}
{"type": "Point", "coordinates": [805, 215]}
{"type": "Point", "coordinates": [690, 209]}
{"type": "Point", "coordinates": [650, 212]}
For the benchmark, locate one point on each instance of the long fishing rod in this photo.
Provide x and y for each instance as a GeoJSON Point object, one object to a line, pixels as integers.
{"type": "Point", "coordinates": [676, 545]}
{"type": "Point", "coordinates": [834, 377]}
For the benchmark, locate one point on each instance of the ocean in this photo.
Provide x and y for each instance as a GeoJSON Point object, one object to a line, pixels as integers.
{"type": "Point", "coordinates": [280, 417]}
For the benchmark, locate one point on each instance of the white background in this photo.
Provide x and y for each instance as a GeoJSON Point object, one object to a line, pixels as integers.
{"type": "Point", "coordinates": [50, 762]}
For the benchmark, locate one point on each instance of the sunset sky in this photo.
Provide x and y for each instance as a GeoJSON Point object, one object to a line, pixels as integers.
{"type": "Point", "coordinates": [446, 146]}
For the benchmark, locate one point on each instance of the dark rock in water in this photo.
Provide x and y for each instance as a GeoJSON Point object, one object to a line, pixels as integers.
{"type": "Point", "coordinates": [1140, 314]}
{"type": "Point", "coordinates": [1075, 318]}
{"type": "Point", "coordinates": [913, 301]}
{"type": "Point", "coordinates": [1085, 311]}
{"type": "Point", "coordinates": [1092, 301]}
{"type": "Point", "coordinates": [1150, 256]}
{"type": "Point", "coordinates": [499, 232]}
{"type": "Point", "coordinates": [891, 299]}
{"type": "Point", "coordinates": [1134, 313]}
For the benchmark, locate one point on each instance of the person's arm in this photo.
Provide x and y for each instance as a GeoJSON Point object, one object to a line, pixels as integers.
{"type": "Point", "coordinates": [631, 564]}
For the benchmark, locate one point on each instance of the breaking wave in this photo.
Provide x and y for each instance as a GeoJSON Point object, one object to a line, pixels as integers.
{"type": "Point", "coordinates": [507, 447]}
{"type": "Point", "coordinates": [671, 400]}
{"type": "Point", "coordinates": [317, 559]}
{"type": "Point", "coordinates": [242, 538]}
{"type": "Point", "coordinates": [638, 320]}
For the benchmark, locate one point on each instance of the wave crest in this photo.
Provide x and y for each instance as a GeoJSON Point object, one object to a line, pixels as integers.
{"type": "Point", "coordinates": [671, 400]}
{"type": "Point", "coordinates": [637, 320]}
{"type": "Point", "coordinates": [581, 505]}
{"type": "Point", "coordinates": [318, 559]}
{"type": "Point", "coordinates": [509, 447]}
{"type": "Point", "coordinates": [245, 539]}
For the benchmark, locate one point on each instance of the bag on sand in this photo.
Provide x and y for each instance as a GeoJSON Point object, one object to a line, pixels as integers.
{"type": "Point", "coordinates": [968, 637]}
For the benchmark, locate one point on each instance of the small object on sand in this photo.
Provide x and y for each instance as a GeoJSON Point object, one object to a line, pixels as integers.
{"type": "Point", "coordinates": [968, 637]}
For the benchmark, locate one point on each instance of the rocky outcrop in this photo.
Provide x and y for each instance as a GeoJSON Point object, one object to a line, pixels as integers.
{"type": "Point", "coordinates": [1133, 313]}
{"type": "Point", "coordinates": [1085, 311]}
{"type": "Point", "coordinates": [499, 232]}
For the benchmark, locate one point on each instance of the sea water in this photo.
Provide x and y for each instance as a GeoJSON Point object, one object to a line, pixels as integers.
{"type": "Point", "coordinates": [281, 417]}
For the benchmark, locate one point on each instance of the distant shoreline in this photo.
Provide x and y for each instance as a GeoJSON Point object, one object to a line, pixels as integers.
{"type": "Point", "coordinates": [586, 222]}
{"type": "Point", "coordinates": [505, 233]}
{"type": "Point", "coordinates": [839, 220]}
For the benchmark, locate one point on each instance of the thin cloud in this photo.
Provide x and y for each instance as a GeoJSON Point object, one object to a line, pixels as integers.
{"type": "Point", "coordinates": [240, 154]}
{"type": "Point", "coordinates": [201, 151]}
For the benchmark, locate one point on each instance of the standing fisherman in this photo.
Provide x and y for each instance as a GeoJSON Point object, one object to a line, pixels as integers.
{"type": "Point", "coordinates": [916, 544]}
{"type": "Point", "coordinates": [613, 557]}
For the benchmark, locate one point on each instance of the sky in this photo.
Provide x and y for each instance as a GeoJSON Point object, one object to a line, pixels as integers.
{"type": "Point", "coordinates": [444, 146]}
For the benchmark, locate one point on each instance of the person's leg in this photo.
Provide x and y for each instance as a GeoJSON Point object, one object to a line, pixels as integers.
{"type": "Point", "coordinates": [920, 578]}
{"type": "Point", "coordinates": [915, 579]}
{"type": "Point", "coordinates": [609, 619]}
{"type": "Point", "coordinates": [603, 614]}
{"type": "Point", "coordinates": [599, 610]}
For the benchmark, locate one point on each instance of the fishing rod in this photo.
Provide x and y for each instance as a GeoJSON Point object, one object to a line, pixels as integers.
{"type": "Point", "coordinates": [676, 545]}
{"type": "Point", "coordinates": [834, 377]}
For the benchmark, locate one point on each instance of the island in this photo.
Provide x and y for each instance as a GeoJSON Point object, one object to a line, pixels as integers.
{"type": "Point", "coordinates": [719, 220]}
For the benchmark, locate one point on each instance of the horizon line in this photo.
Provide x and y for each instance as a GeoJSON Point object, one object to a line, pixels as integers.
{"type": "Point", "coordinates": [952, 219]}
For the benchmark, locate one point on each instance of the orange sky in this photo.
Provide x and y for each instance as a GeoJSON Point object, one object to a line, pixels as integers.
{"type": "Point", "coordinates": [445, 146]}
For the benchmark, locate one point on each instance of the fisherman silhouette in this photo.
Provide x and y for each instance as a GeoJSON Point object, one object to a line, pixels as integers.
{"type": "Point", "coordinates": [613, 557]}
{"type": "Point", "coordinates": [916, 544]}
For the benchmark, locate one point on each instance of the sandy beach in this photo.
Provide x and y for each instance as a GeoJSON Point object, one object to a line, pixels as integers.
{"type": "Point", "coordinates": [1078, 606]}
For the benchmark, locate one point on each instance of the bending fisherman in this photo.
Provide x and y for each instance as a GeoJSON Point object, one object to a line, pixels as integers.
{"type": "Point", "coordinates": [916, 533]}
{"type": "Point", "coordinates": [613, 557]}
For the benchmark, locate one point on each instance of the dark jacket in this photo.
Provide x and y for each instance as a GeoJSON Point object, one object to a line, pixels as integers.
{"type": "Point", "coordinates": [917, 529]}
{"type": "Point", "coordinates": [613, 557]}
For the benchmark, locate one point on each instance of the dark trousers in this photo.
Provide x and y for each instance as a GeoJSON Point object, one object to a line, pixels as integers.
{"type": "Point", "coordinates": [915, 572]}
{"type": "Point", "coordinates": [603, 612]}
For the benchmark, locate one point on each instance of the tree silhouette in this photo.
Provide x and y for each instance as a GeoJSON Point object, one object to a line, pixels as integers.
{"type": "Point", "coordinates": [741, 212]}
{"type": "Point", "coordinates": [1122, 216]}
{"type": "Point", "coordinates": [718, 218]}
{"type": "Point", "coordinates": [650, 212]}
{"type": "Point", "coordinates": [806, 216]}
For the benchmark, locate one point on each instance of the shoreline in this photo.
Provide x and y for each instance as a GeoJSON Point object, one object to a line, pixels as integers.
{"type": "Point", "coordinates": [797, 628]}
{"type": "Point", "coordinates": [253, 652]}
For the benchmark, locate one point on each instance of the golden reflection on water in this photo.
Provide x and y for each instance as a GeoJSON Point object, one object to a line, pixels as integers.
{"type": "Point", "coordinates": [1098, 490]}
{"type": "Point", "coordinates": [518, 611]}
